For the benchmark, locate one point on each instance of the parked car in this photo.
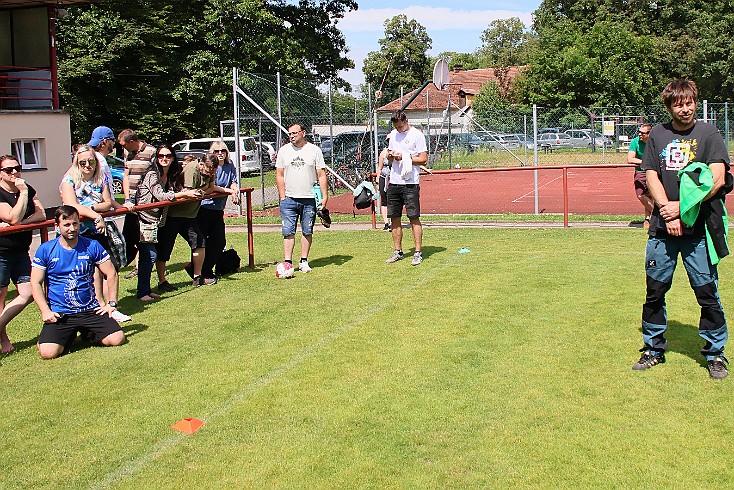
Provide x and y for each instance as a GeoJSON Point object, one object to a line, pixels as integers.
{"type": "Point", "coordinates": [581, 138]}
{"type": "Point", "coordinates": [352, 146]}
{"type": "Point", "coordinates": [554, 140]}
{"type": "Point", "coordinates": [326, 146]}
{"type": "Point", "coordinates": [550, 130]}
{"type": "Point", "coordinates": [199, 147]}
{"type": "Point", "coordinates": [268, 155]}
{"type": "Point", "coordinates": [117, 174]}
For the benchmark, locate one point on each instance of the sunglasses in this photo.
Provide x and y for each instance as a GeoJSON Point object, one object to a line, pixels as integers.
{"type": "Point", "coordinates": [10, 170]}
{"type": "Point", "coordinates": [165, 155]}
{"type": "Point", "coordinates": [644, 132]}
{"type": "Point", "coordinates": [293, 133]}
{"type": "Point", "coordinates": [87, 163]}
{"type": "Point", "coordinates": [219, 151]}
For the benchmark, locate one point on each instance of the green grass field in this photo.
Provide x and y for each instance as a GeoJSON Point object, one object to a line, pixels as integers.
{"type": "Point", "coordinates": [508, 366]}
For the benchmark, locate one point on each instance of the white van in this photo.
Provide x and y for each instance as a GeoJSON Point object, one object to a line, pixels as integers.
{"type": "Point", "coordinates": [200, 147]}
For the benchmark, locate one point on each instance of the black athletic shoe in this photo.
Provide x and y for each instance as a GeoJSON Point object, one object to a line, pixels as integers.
{"type": "Point", "coordinates": [717, 368]}
{"type": "Point", "coordinates": [648, 360]}
{"type": "Point", "coordinates": [387, 227]}
{"type": "Point", "coordinates": [203, 281]}
{"type": "Point", "coordinates": [166, 287]}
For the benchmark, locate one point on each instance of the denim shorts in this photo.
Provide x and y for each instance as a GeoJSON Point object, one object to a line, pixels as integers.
{"type": "Point", "coordinates": [293, 208]}
{"type": "Point", "coordinates": [407, 195]}
{"type": "Point", "coordinates": [15, 266]}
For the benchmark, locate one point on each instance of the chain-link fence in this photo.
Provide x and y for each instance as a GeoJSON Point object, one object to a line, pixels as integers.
{"type": "Point", "coordinates": [351, 134]}
{"type": "Point", "coordinates": [337, 122]}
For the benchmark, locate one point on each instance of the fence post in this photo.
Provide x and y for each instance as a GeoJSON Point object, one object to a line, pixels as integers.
{"type": "Point", "coordinates": [280, 115]}
{"type": "Point", "coordinates": [535, 154]}
{"type": "Point", "coordinates": [237, 148]}
{"type": "Point", "coordinates": [565, 197]}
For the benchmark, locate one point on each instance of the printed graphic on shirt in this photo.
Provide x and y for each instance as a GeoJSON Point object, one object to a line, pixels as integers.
{"type": "Point", "coordinates": [678, 154]}
{"type": "Point", "coordinates": [298, 162]}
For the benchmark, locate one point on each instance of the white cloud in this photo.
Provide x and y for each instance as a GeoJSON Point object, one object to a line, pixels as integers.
{"type": "Point", "coordinates": [432, 18]}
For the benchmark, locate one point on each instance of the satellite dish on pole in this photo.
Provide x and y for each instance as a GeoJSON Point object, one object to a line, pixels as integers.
{"type": "Point", "coordinates": [441, 74]}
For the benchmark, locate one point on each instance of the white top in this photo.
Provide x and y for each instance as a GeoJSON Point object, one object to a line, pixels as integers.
{"type": "Point", "coordinates": [300, 166]}
{"type": "Point", "coordinates": [412, 142]}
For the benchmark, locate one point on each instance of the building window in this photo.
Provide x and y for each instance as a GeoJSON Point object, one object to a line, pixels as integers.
{"type": "Point", "coordinates": [28, 153]}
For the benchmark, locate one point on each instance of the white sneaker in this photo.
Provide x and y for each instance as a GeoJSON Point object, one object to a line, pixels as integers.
{"type": "Point", "coordinates": [120, 317]}
{"type": "Point", "coordinates": [304, 267]}
{"type": "Point", "coordinates": [417, 259]}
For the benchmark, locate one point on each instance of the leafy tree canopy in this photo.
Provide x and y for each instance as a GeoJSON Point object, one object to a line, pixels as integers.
{"type": "Point", "coordinates": [402, 60]}
{"type": "Point", "coordinates": [164, 68]}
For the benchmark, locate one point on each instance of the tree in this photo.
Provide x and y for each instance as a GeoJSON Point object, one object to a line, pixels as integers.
{"type": "Point", "coordinates": [402, 60]}
{"type": "Point", "coordinates": [164, 68]}
{"type": "Point", "coordinates": [503, 43]}
{"type": "Point", "coordinates": [683, 38]}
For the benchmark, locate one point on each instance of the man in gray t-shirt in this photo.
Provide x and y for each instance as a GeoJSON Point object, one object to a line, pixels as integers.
{"type": "Point", "coordinates": [300, 165]}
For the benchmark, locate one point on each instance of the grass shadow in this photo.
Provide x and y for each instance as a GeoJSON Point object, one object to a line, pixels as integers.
{"type": "Point", "coordinates": [81, 343]}
{"type": "Point", "coordinates": [684, 339]}
{"type": "Point", "coordinates": [428, 251]}
{"type": "Point", "coordinates": [330, 260]}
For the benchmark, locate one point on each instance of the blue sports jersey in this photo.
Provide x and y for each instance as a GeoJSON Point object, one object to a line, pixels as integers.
{"type": "Point", "coordinates": [70, 274]}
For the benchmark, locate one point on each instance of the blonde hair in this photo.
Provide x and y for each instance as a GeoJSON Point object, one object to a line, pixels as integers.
{"type": "Point", "coordinates": [218, 145]}
{"type": "Point", "coordinates": [76, 173]}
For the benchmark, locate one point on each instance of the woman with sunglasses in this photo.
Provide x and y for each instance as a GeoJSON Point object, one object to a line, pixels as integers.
{"type": "Point", "coordinates": [84, 188]}
{"type": "Point", "coordinates": [211, 212]}
{"type": "Point", "coordinates": [154, 187]}
{"type": "Point", "coordinates": [19, 205]}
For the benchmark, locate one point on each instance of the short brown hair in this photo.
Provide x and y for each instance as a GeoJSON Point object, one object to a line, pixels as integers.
{"type": "Point", "coordinates": [127, 135]}
{"type": "Point", "coordinates": [680, 89]}
{"type": "Point", "coordinates": [398, 116]}
{"type": "Point", "coordinates": [65, 212]}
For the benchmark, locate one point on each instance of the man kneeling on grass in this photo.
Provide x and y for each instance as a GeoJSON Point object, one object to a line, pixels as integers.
{"type": "Point", "coordinates": [67, 265]}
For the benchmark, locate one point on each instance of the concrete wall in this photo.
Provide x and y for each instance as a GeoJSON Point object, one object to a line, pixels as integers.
{"type": "Point", "coordinates": [53, 130]}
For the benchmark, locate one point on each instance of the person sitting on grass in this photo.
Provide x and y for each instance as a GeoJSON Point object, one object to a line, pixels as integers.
{"type": "Point", "coordinates": [19, 205]}
{"type": "Point", "coordinates": [66, 264]}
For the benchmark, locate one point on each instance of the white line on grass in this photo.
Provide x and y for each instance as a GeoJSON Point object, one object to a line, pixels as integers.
{"type": "Point", "coordinates": [226, 406]}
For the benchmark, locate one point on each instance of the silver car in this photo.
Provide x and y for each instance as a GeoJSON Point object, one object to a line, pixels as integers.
{"type": "Point", "coordinates": [554, 140]}
{"type": "Point", "coordinates": [581, 138]}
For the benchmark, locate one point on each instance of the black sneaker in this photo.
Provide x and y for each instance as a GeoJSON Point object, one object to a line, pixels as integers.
{"type": "Point", "coordinates": [166, 287]}
{"type": "Point", "coordinates": [717, 368]}
{"type": "Point", "coordinates": [387, 227]}
{"type": "Point", "coordinates": [648, 360]}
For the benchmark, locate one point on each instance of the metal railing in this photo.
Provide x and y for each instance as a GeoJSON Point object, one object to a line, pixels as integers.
{"type": "Point", "coordinates": [27, 88]}
{"type": "Point", "coordinates": [43, 226]}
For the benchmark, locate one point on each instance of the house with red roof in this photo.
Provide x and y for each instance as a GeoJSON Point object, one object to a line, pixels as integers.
{"type": "Point", "coordinates": [428, 110]}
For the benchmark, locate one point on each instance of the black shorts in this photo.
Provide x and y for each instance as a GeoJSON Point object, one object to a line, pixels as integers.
{"type": "Point", "coordinates": [188, 228]}
{"type": "Point", "coordinates": [383, 190]}
{"type": "Point", "coordinates": [407, 195]}
{"type": "Point", "coordinates": [93, 327]}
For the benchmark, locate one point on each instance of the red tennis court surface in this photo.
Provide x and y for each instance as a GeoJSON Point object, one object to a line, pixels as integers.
{"type": "Point", "coordinates": [590, 191]}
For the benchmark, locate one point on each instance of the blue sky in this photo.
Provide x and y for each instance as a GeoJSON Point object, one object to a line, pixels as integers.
{"type": "Point", "coordinates": [453, 26]}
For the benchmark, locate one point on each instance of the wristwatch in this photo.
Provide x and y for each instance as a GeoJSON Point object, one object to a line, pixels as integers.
{"type": "Point", "coordinates": [112, 304]}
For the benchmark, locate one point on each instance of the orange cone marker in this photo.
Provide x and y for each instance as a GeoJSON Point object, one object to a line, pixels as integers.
{"type": "Point", "coordinates": [188, 426]}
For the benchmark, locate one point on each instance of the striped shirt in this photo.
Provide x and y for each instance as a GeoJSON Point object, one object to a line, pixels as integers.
{"type": "Point", "coordinates": [137, 164]}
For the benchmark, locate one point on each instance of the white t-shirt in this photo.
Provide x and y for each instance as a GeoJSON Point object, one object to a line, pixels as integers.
{"type": "Point", "coordinates": [412, 142]}
{"type": "Point", "coordinates": [300, 166]}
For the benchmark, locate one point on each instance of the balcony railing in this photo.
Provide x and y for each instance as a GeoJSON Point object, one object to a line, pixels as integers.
{"type": "Point", "coordinates": [27, 88]}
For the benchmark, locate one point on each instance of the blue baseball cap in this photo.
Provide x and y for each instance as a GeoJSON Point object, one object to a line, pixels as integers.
{"type": "Point", "coordinates": [100, 133]}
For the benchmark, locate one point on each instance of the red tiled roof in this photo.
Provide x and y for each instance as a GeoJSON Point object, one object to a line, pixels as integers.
{"type": "Point", "coordinates": [466, 82]}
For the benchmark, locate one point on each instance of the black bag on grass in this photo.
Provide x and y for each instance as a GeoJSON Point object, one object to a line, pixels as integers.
{"type": "Point", "coordinates": [228, 262]}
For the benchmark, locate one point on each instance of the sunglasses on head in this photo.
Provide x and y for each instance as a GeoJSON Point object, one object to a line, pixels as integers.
{"type": "Point", "coordinates": [10, 170]}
